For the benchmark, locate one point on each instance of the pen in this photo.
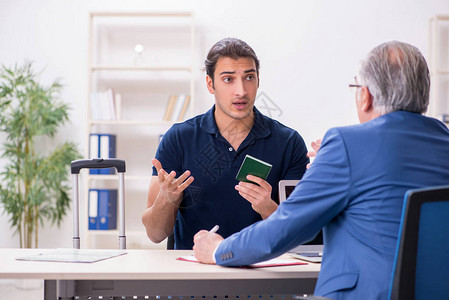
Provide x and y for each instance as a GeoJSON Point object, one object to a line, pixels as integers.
{"type": "Point", "coordinates": [214, 229]}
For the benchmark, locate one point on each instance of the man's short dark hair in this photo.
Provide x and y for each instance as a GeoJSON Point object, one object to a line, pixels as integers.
{"type": "Point", "coordinates": [228, 47]}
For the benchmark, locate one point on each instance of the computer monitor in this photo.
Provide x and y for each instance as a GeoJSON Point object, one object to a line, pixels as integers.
{"type": "Point", "coordinates": [286, 187]}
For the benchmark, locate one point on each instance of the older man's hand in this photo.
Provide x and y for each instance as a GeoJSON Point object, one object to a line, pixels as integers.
{"type": "Point", "coordinates": [204, 246]}
{"type": "Point", "coordinates": [315, 147]}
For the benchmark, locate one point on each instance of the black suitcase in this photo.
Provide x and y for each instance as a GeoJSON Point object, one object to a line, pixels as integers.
{"type": "Point", "coordinates": [99, 163]}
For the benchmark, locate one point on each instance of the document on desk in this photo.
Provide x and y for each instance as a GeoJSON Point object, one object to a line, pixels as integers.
{"type": "Point", "coordinates": [275, 262]}
{"type": "Point", "coordinates": [74, 255]}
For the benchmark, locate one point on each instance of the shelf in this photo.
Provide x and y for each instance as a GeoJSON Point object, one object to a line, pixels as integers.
{"type": "Point", "coordinates": [128, 122]}
{"type": "Point", "coordinates": [143, 14]}
{"type": "Point", "coordinates": [140, 68]}
{"type": "Point", "coordinates": [439, 66]}
{"type": "Point", "coordinates": [135, 239]}
{"type": "Point", "coordinates": [137, 61]}
{"type": "Point", "coordinates": [440, 72]}
{"type": "Point", "coordinates": [441, 18]}
{"type": "Point", "coordinates": [114, 232]}
{"type": "Point", "coordinates": [114, 177]}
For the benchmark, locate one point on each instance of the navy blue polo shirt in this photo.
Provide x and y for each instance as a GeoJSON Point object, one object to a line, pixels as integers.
{"type": "Point", "coordinates": [211, 199]}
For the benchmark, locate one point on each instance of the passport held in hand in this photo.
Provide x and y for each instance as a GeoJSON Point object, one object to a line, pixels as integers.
{"type": "Point", "coordinates": [253, 166]}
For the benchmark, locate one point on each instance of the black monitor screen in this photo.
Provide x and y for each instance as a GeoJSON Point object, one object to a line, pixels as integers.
{"type": "Point", "coordinates": [288, 190]}
{"type": "Point", "coordinates": [318, 240]}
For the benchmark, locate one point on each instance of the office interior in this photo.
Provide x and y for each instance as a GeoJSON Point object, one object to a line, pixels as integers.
{"type": "Point", "coordinates": [309, 53]}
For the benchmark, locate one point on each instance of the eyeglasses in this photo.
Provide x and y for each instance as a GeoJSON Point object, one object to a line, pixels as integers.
{"type": "Point", "coordinates": [354, 86]}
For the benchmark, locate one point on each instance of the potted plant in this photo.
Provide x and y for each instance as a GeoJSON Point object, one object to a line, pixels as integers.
{"type": "Point", "coordinates": [34, 180]}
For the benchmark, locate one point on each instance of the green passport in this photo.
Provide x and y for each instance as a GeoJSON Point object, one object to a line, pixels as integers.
{"type": "Point", "coordinates": [253, 166]}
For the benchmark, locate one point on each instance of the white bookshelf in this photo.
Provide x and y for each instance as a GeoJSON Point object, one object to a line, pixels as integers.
{"type": "Point", "coordinates": [128, 122]}
{"type": "Point", "coordinates": [439, 66]}
{"type": "Point", "coordinates": [145, 79]}
{"type": "Point", "coordinates": [130, 68]}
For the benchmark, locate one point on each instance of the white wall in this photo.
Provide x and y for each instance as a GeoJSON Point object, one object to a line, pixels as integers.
{"type": "Point", "coordinates": [309, 52]}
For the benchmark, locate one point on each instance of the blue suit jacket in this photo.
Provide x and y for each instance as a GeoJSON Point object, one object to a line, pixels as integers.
{"type": "Point", "coordinates": [355, 190]}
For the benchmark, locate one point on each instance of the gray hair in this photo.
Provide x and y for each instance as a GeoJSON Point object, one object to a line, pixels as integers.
{"type": "Point", "coordinates": [397, 77]}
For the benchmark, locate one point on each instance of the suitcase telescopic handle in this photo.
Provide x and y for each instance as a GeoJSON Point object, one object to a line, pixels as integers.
{"type": "Point", "coordinates": [98, 163]}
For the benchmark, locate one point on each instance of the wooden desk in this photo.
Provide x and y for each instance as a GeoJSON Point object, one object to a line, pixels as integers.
{"type": "Point", "coordinates": [155, 273]}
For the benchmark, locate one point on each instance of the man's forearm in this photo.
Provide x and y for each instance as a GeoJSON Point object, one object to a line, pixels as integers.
{"type": "Point", "coordinates": [159, 219]}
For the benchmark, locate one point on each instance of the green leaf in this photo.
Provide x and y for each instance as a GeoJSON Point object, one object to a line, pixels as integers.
{"type": "Point", "coordinates": [33, 185]}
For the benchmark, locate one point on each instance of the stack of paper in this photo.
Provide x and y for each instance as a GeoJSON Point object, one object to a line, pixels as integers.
{"type": "Point", "coordinates": [74, 255]}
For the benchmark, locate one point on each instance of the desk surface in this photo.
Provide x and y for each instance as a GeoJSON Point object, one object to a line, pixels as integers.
{"type": "Point", "coordinates": [141, 265]}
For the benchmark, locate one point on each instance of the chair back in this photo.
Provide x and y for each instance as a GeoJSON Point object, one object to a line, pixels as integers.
{"type": "Point", "coordinates": [421, 269]}
{"type": "Point", "coordinates": [171, 241]}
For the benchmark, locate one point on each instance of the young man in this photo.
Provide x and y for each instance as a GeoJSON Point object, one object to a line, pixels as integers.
{"type": "Point", "coordinates": [356, 184]}
{"type": "Point", "coordinates": [207, 151]}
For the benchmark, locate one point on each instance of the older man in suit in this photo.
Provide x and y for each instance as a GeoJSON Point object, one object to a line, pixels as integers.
{"type": "Point", "coordinates": [354, 190]}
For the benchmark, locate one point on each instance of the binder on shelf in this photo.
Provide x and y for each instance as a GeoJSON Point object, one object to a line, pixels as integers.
{"type": "Point", "coordinates": [102, 146]}
{"type": "Point", "coordinates": [110, 100]}
{"type": "Point", "coordinates": [93, 209]}
{"type": "Point", "coordinates": [97, 106]}
{"type": "Point", "coordinates": [102, 209]}
{"type": "Point", "coordinates": [94, 149]}
{"type": "Point", "coordinates": [103, 105]}
{"type": "Point", "coordinates": [169, 109]}
{"type": "Point", "coordinates": [107, 150]}
{"type": "Point", "coordinates": [118, 106]}
{"type": "Point", "coordinates": [107, 209]}
{"type": "Point", "coordinates": [178, 107]}
{"type": "Point", "coordinates": [183, 111]}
